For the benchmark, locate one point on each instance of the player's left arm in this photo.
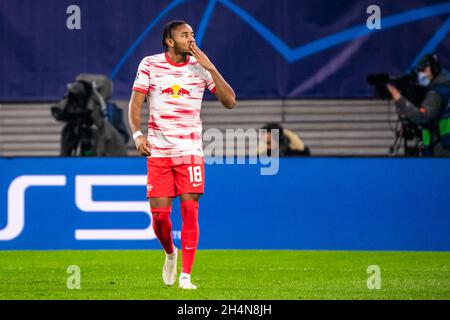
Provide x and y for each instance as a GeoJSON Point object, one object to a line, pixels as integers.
{"type": "Point", "coordinates": [223, 92]}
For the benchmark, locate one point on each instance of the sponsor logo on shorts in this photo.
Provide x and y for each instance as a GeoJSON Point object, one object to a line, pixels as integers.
{"type": "Point", "coordinates": [196, 184]}
{"type": "Point", "coordinates": [149, 187]}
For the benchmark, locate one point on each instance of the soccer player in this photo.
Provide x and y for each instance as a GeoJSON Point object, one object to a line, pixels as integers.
{"type": "Point", "coordinates": [173, 83]}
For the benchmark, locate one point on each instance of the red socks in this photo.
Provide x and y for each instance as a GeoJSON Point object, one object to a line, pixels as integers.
{"type": "Point", "coordinates": [163, 227]}
{"type": "Point", "coordinates": [189, 234]}
{"type": "Point", "coordinates": [189, 231]}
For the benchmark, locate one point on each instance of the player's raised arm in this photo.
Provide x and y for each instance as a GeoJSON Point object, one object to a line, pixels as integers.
{"type": "Point", "coordinates": [134, 119]}
{"type": "Point", "coordinates": [224, 92]}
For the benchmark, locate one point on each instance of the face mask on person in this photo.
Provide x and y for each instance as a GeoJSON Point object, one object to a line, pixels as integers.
{"type": "Point", "coordinates": [423, 80]}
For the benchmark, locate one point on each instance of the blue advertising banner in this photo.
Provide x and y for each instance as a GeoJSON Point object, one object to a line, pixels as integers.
{"type": "Point", "coordinates": [310, 203]}
{"type": "Point", "coordinates": [264, 48]}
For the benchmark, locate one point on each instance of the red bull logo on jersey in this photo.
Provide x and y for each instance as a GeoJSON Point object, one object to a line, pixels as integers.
{"type": "Point", "coordinates": [176, 91]}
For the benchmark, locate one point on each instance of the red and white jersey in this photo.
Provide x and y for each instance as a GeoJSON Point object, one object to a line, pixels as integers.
{"type": "Point", "coordinates": [174, 94]}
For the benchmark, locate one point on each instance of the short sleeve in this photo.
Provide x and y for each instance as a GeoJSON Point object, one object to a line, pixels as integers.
{"type": "Point", "coordinates": [142, 81]}
{"type": "Point", "coordinates": [206, 76]}
{"type": "Point", "coordinates": [210, 82]}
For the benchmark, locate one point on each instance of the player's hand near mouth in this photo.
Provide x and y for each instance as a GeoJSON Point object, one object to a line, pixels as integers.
{"type": "Point", "coordinates": [201, 57]}
{"type": "Point", "coordinates": [224, 92]}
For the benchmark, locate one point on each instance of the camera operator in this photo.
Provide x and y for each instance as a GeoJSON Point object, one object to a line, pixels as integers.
{"type": "Point", "coordinates": [433, 114]}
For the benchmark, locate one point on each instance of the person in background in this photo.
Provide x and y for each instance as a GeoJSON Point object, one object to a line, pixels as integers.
{"type": "Point", "coordinates": [288, 144]}
{"type": "Point", "coordinates": [433, 113]}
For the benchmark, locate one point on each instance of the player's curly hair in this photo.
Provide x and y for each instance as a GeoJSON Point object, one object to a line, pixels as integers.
{"type": "Point", "coordinates": [167, 31]}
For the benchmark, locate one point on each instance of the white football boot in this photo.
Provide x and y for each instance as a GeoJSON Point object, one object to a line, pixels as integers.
{"type": "Point", "coordinates": [185, 282]}
{"type": "Point", "coordinates": [169, 273]}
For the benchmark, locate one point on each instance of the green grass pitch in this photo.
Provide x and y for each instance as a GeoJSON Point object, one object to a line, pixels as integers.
{"type": "Point", "coordinates": [226, 274]}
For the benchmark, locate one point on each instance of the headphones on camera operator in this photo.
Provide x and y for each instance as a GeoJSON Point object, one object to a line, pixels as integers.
{"type": "Point", "coordinates": [433, 62]}
{"type": "Point", "coordinates": [429, 60]}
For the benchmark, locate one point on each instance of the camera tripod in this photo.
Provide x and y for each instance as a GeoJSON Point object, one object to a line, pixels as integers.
{"type": "Point", "coordinates": [405, 133]}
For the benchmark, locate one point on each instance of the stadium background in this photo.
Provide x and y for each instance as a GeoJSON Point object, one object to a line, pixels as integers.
{"type": "Point", "coordinates": [301, 63]}
{"type": "Point", "coordinates": [267, 49]}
